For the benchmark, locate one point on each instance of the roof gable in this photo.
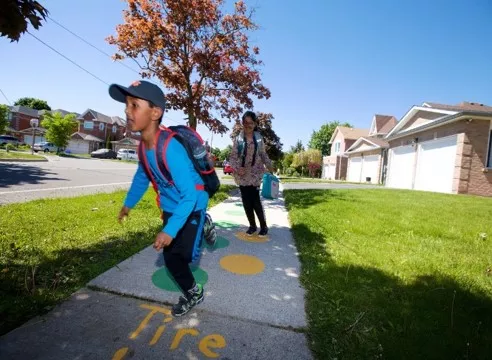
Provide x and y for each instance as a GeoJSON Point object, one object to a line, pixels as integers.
{"type": "Point", "coordinates": [433, 114]}
{"type": "Point", "coordinates": [367, 143]}
{"type": "Point", "coordinates": [382, 124]}
{"type": "Point", "coordinates": [349, 133]}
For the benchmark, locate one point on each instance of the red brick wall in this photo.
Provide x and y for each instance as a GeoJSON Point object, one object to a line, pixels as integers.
{"type": "Point", "coordinates": [471, 155]}
{"type": "Point", "coordinates": [102, 134]}
{"type": "Point", "coordinates": [21, 121]}
{"type": "Point", "coordinates": [474, 180]}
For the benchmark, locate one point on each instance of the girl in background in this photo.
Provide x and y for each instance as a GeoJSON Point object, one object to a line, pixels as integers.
{"type": "Point", "coordinates": [248, 161]}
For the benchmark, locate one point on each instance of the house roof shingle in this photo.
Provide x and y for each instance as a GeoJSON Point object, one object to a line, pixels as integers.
{"type": "Point", "coordinates": [384, 123]}
{"type": "Point", "coordinates": [104, 118]}
{"type": "Point", "coordinates": [377, 141]}
{"type": "Point", "coordinates": [463, 106]}
{"type": "Point", "coordinates": [352, 133]}
{"type": "Point", "coordinates": [24, 110]}
{"type": "Point", "coordinates": [87, 137]}
{"type": "Point", "coordinates": [61, 111]}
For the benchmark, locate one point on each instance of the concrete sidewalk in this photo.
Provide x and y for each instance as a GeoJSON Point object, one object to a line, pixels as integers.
{"type": "Point", "coordinates": [253, 308]}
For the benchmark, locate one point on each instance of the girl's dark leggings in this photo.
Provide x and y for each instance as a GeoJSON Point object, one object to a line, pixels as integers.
{"type": "Point", "coordinates": [252, 204]}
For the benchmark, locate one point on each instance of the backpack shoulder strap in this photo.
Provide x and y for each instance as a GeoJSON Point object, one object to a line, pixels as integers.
{"type": "Point", "coordinates": [143, 159]}
{"type": "Point", "coordinates": [163, 139]}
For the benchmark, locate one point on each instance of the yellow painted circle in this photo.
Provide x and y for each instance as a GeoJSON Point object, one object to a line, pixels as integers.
{"type": "Point", "coordinates": [254, 238]}
{"type": "Point", "coordinates": [242, 264]}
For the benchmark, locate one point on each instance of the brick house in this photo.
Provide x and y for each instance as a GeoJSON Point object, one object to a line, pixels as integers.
{"type": "Point", "coordinates": [20, 120]}
{"type": "Point", "coordinates": [96, 130]}
{"type": "Point", "coordinates": [367, 156]}
{"type": "Point", "coordinates": [335, 165]}
{"type": "Point", "coordinates": [442, 148]}
{"type": "Point", "coordinates": [20, 123]}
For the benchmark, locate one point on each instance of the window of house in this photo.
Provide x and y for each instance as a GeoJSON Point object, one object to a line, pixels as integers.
{"type": "Point", "coordinates": [101, 126]}
{"type": "Point", "coordinates": [114, 128]}
{"type": "Point", "coordinates": [489, 158]}
{"type": "Point", "coordinates": [88, 125]}
{"type": "Point", "coordinates": [10, 117]}
{"type": "Point", "coordinates": [337, 147]}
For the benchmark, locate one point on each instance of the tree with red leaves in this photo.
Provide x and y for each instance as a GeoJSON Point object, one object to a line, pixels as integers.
{"type": "Point", "coordinates": [15, 15]}
{"type": "Point", "coordinates": [200, 54]}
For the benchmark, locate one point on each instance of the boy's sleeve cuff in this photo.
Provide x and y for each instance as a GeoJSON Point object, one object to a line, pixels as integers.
{"type": "Point", "coordinates": [169, 231]}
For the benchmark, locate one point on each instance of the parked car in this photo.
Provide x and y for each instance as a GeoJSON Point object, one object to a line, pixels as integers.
{"type": "Point", "coordinates": [104, 154]}
{"type": "Point", "coordinates": [228, 169]}
{"type": "Point", "coordinates": [7, 139]}
{"type": "Point", "coordinates": [45, 147]}
{"type": "Point", "coordinates": [127, 154]}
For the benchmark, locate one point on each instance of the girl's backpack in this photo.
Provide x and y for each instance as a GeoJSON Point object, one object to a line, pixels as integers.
{"type": "Point", "coordinates": [242, 150]}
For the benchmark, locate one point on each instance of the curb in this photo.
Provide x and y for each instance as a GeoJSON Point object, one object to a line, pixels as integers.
{"type": "Point", "coordinates": [24, 160]}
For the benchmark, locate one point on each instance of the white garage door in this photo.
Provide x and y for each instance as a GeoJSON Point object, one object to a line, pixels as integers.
{"type": "Point", "coordinates": [400, 167]}
{"type": "Point", "coordinates": [78, 147]}
{"type": "Point", "coordinates": [354, 169]}
{"type": "Point", "coordinates": [370, 167]}
{"type": "Point", "coordinates": [326, 171]}
{"type": "Point", "coordinates": [436, 164]}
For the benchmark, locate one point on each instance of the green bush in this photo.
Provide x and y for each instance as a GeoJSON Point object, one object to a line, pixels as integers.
{"type": "Point", "coordinates": [290, 171]}
{"type": "Point", "coordinates": [10, 147]}
{"type": "Point", "coordinates": [296, 174]}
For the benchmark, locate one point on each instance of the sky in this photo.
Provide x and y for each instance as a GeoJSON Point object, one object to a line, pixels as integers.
{"type": "Point", "coordinates": [324, 60]}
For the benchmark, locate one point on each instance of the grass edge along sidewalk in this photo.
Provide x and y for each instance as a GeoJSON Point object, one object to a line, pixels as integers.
{"type": "Point", "coordinates": [52, 247]}
{"type": "Point", "coordinates": [395, 274]}
{"type": "Point", "coordinates": [19, 156]}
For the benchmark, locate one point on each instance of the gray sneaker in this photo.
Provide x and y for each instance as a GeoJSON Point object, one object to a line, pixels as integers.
{"type": "Point", "coordinates": [209, 231]}
{"type": "Point", "coordinates": [185, 304]}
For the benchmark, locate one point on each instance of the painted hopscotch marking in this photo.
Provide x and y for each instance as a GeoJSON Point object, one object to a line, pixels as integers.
{"type": "Point", "coordinates": [206, 345]}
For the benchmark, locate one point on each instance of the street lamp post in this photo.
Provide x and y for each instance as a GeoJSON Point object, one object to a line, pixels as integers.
{"type": "Point", "coordinates": [34, 125]}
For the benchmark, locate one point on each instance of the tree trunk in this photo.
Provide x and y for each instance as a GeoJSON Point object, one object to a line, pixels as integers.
{"type": "Point", "coordinates": [192, 120]}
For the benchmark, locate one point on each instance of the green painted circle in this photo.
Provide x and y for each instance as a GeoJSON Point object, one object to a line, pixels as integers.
{"type": "Point", "coordinates": [220, 243]}
{"type": "Point", "coordinates": [226, 224]}
{"type": "Point", "coordinates": [163, 279]}
{"type": "Point", "coordinates": [235, 212]}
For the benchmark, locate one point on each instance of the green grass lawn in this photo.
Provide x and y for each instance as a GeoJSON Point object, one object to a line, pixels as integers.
{"type": "Point", "coordinates": [50, 248]}
{"type": "Point", "coordinates": [395, 274]}
{"type": "Point", "coordinates": [16, 155]}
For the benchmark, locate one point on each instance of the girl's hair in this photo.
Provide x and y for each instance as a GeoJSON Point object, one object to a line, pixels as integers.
{"type": "Point", "coordinates": [253, 117]}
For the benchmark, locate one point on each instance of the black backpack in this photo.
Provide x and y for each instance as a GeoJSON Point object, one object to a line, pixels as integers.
{"type": "Point", "coordinates": [197, 153]}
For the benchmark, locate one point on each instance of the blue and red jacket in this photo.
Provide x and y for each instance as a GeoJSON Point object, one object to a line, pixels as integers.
{"type": "Point", "coordinates": [180, 198]}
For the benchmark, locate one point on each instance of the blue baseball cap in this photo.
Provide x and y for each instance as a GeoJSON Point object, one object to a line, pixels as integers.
{"type": "Point", "coordinates": [140, 89]}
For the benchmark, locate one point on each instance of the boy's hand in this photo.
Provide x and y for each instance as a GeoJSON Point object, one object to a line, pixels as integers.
{"type": "Point", "coordinates": [162, 240]}
{"type": "Point", "coordinates": [123, 213]}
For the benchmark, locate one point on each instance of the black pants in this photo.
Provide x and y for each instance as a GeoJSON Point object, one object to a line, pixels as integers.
{"type": "Point", "coordinates": [252, 204]}
{"type": "Point", "coordinates": [185, 248]}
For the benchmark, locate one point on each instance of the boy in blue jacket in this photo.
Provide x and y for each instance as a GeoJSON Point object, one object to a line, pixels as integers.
{"type": "Point", "coordinates": [183, 202]}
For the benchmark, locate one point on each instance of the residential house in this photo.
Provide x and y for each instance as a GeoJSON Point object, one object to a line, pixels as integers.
{"type": "Point", "coordinates": [442, 148]}
{"type": "Point", "coordinates": [20, 120]}
{"type": "Point", "coordinates": [96, 130]}
{"type": "Point", "coordinates": [39, 131]}
{"type": "Point", "coordinates": [131, 142]}
{"type": "Point", "coordinates": [367, 155]}
{"type": "Point", "coordinates": [335, 165]}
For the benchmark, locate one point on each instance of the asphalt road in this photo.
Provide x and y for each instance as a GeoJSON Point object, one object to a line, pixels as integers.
{"type": "Point", "coordinates": [61, 177]}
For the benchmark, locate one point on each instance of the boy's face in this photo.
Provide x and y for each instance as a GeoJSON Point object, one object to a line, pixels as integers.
{"type": "Point", "coordinates": [139, 114]}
